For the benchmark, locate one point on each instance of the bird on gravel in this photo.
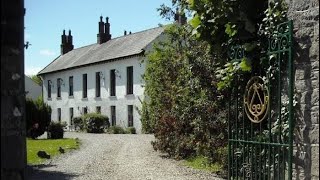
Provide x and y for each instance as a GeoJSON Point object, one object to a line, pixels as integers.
{"type": "Point", "coordinates": [43, 154]}
{"type": "Point", "coordinates": [61, 150]}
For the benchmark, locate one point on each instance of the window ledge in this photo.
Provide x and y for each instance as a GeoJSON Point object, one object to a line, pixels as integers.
{"type": "Point", "coordinates": [113, 97]}
{"type": "Point", "coordinates": [49, 99]}
{"type": "Point", "coordinates": [129, 96]}
{"type": "Point", "coordinates": [71, 97]}
{"type": "Point", "coordinates": [97, 98]}
{"type": "Point", "coordinates": [84, 99]}
{"type": "Point", "coordinates": [58, 98]}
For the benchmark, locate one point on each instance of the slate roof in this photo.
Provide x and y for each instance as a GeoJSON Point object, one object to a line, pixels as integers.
{"type": "Point", "coordinates": [128, 45]}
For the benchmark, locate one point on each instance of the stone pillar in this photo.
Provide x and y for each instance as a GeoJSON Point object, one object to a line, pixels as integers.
{"type": "Point", "coordinates": [305, 16]}
{"type": "Point", "coordinates": [13, 135]}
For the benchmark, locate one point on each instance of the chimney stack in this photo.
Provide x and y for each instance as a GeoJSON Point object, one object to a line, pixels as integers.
{"type": "Point", "coordinates": [66, 42]}
{"type": "Point", "coordinates": [107, 29]}
{"type": "Point", "coordinates": [125, 32]}
{"type": "Point", "coordinates": [104, 31]}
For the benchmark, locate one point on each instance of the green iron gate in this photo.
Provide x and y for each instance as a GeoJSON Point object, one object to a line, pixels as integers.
{"type": "Point", "coordinates": [261, 113]}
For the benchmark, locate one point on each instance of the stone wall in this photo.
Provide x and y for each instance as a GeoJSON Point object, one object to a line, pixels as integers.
{"type": "Point", "coordinates": [305, 16]}
{"type": "Point", "coordinates": [13, 140]}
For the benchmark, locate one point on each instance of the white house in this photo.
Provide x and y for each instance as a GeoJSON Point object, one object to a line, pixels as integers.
{"type": "Point", "coordinates": [104, 77]}
{"type": "Point", "coordinates": [33, 90]}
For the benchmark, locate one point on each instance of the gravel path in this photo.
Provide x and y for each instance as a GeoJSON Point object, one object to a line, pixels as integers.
{"type": "Point", "coordinates": [114, 157]}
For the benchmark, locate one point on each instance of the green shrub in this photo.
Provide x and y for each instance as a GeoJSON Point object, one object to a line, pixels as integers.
{"type": "Point", "coordinates": [131, 130]}
{"type": "Point", "coordinates": [116, 130]}
{"type": "Point", "coordinates": [55, 130]}
{"type": "Point", "coordinates": [78, 123]}
{"type": "Point", "coordinates": [95, 123]}
{"type": "Point", "coordinates": [38, 117]}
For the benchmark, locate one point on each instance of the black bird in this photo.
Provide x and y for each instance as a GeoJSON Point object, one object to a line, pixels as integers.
{"type": "Point", "coordinates": [43, 154]}
{"type": "Point", "coordinates": [61, 150]}
{"type": "Point", "coordinates": [27, 45]}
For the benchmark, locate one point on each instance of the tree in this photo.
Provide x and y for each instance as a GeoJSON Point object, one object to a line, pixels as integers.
{"type": "Point", "coordinates": [36, 79]}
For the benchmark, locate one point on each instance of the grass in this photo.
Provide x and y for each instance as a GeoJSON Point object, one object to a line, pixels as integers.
{"type": "Point", "coordinates": [50, 146]}
{"type": "Point", "coordinates": [202, 163]}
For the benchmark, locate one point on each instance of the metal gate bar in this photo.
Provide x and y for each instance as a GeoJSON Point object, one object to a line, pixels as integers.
{"type": "Point", "coordinates": [263, 149]}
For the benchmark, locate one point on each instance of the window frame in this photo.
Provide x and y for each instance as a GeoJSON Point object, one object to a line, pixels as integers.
{"type": "Point", "coordinates": [129, 80]}
{"type": "Point", "coordinates": [84, 85]}
{"type": "Point", "coordinates": [130, 115]}
{"type": "Point", "coordinates": [113, 115]}
{"type": "Point", "coordinates": [49, 89]}
{"type": "Point", "coordinates": [98, 84]}
{"type": "Point", "coordinates": [70, 85]}
{"type": "Point", "coordinates": [59, 114]}
{"type": "Point", "coordinates": [59, 88]}
{"type": "Point", "coordinates": [112, 82]}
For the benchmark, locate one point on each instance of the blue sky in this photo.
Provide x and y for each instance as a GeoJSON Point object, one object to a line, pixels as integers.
{"type": "Point", "coordinates": [46, 19]}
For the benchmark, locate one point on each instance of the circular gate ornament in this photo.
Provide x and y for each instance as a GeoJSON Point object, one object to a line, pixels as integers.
{"type": "Point", "coordinates": [256, 99]}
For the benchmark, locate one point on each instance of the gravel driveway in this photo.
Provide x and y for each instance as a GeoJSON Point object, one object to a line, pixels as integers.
{"type": "Point", "coordinates": [114, 156]}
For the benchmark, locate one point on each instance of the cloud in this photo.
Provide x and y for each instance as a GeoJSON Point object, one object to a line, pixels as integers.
{"type": "Point", "coordinates": [47, 52]}
{"type": "Point", "coordinates": [32, 70]}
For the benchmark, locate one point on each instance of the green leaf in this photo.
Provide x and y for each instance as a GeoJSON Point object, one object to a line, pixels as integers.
{"type": "Point", "coordinates": [195, 21]}
{"type": "Point", "coordinates": [230, 30]}
{"type": "Point", "coordinates": [245, 65]}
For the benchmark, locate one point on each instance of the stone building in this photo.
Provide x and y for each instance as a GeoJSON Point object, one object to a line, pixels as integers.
{"type": "Point", "coordinates": [105, 77]}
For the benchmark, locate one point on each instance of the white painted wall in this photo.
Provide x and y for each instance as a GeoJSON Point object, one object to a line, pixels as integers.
{"type": "Point", "coordinates": [33, 90]}
{"type": "Point", "coordinates": [121, 100]}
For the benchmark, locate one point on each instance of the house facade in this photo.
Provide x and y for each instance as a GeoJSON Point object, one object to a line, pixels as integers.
{"type": "Point", "coordinates": [105, 77]}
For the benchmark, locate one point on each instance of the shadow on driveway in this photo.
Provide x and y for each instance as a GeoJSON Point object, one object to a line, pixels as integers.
{"type": "Point", "coordinates": [38, 172]}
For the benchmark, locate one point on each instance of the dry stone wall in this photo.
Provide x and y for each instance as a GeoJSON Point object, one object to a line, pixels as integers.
{"type": "Point", "coordinates": [305, 16]}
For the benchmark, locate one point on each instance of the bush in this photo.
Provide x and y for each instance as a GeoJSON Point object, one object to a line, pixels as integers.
{"type": "Point", "coordinates": [55, 130]}
{"type": "Point", "coordinates": [78, 123]}
{"type": "Point", "coordinates": [116, 130]}
{"type": "Point", "coordinates": [131, 130]}
{"type": "Point", "coordinates": [95, 123]}
{"type": "Point", "coordinates": [38, 117]}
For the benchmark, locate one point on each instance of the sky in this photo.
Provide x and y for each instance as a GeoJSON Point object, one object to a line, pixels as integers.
{"type": "Point", "coordinates": [46, 19]}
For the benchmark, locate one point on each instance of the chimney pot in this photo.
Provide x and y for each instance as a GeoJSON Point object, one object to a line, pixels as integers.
{"type": "Point", "coordinates": [125, 32]}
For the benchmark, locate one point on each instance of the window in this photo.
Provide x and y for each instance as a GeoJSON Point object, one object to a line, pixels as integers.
{"type": "Point", "coordinates": [98, 84]}
{"type": "Point", "coordinates": [98, 109]}
{"type": "Point", "coordinates": [130, 80]}
{"type": "Point", "coordinates": [59, 114]}
{"type": "Point", "coordinates": [85, 110]}
{"type": "Point", "coordinates": [113, 82]}
{"type": "Point", "coordinates": [71, 116]}
{"type": "Point", "coordinates": [70, 85]}
{"type": "Point", "coordinates": [130, 115]}
{"type": "Point", "coordinates": [84, 86]}
{"type": "Point", "coordinates": [58, 87]}
{"type": "Point", "coordinates": [49, 88]}
{"type": "Point", "coordinates": [113, 115]}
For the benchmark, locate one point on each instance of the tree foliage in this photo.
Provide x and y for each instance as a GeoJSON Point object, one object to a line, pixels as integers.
{"type": "Point", "coordinates": [38, 117]}
{"type": "Point", "coordinates": [182, 104]}
{"type": "Point", "coordinates": [36, 79]}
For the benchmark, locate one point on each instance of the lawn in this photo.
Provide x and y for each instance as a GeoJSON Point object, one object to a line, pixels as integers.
{"type": "Point", "coordinates": [202, 163]}
{"type": "Point", "coordinates": [50, 146]}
